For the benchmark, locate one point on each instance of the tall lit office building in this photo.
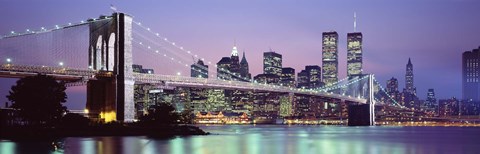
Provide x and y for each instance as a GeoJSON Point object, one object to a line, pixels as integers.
{"type": "Point", "coordinates": [303, 79]}
{"type": "Point", "coordinates": [392, 89]}
{"type": "Point", "coordinates": [244, 71]}
{"type": "Point", "coordinates": [354, 51]}
{"type": "Point", "coordinates": [409, 87]}
{"type": "Point", "coordinates": [470, 75]}
{"type": "Point", "coordinates": [354, 54]}
{"type": "Point", "coordinates": [199, 70]}
{"type": "Point", "coordinates": [314, 76]}
{"type": "Point", "coordinates": [330, 57]}
{"type": "Point", "coordinates": [392, 85]}
{"type": "Point", "coordinates": [288, 77]}
{"type": "Point", "coordinates": [272, 63]}
{"type": "Point", "coordinates": [235, 64]}
{"type": "Point", "coordinates": [431, 102]}
{"type": "Point", "coordinates": [223, 69]}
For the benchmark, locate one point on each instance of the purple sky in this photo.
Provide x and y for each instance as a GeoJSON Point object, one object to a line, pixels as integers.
{"type": "Point", "coordinates": [433, 33]}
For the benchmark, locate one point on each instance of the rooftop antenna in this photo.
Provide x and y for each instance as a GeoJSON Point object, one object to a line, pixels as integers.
{"type": "Point", "coordinates": [354, 21]}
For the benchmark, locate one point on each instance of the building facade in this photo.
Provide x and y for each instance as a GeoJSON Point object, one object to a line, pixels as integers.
{"type": "Point", "coordinates": [470, 75]}
{"type": "Point", "coordinates": [330, 57]}
{"type": "Point", "coordinates": [409, 86]}
{"type": "Point", "coordinates": [272, 63]}
{"type": "Point", "coordinates": [244, 70]}
{"type": "Point", "coordinates": [354, 54]}
{"type": "Point", "coordinates": [431, 102]}
{"type": "Point", "coordinates": [314, 76]}
{"type": "Point", "coordinates": [288, 77]}
{"type": "Point", "coordinates": [199, 70]}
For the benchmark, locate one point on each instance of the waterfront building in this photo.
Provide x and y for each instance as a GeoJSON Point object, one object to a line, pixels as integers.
{"type": "Point", "coordinates": [244, 70]}
{"type": "Point", "coordinates": [431, 102]}
{"type": "Point", "coordinates": [410, 92]}
{"type": "Point", "coordinates": [272, 63]}
{"type": "Point", "coordinates": [409, 84]}
{"type": "Point", "coordinates": [470, 75]}
{"type": "Point", "coordinates": [303, 79]}
{"type": "Point", "coordinates": [199, 70]}
{"type": "Point", "coordinates": [288, 77]}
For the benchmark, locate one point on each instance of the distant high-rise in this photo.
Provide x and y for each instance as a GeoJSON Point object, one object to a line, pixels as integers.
{"type": "Point", "coordinates": [288, 77]}
{"type": "Point", "coordinates": [310, 78]}
{"type": "Point", "coordinates": [409, 87]}
{"type": "Point", "coordinates": [199, 70]}
{"type": "Point", "coordinates": [244, 71]}
{"type": "Point", "coordinates": [267, 78]}
{"type": "Point", "coordinates": [272, 63]}
{"type": "Point", "coordinates": [139, 69]}
{"type": "Point", "coordinates": [302, 79]}
{"type": "Point", "coordinates": [198, 96]}
{"type": "Point", "coordinates": [431, 102]}
{"type": "Point", "coordinates": [470, 75]}
{"type": "Point", "coordinates": [392, 89]}
{"type": "Point", "coordinates": [354, 54]}
{"type": "Point", "coordinates": [223, 69]}
{"type": "Point", "coordinates": [314, 76]}
{"type": "Point", "coordinates": [235, 64]}
{"type": "Point", "coordinates": [330, 57]}
{"type": "Point", "coordinates": [392, 85]}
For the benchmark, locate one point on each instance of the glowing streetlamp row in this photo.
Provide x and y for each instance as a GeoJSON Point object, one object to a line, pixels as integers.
{"type": "Point", "coordinates": [9, 60]}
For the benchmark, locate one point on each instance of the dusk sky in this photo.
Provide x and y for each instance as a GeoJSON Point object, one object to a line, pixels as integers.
{"type": "Point", "coordinates": [433, 33]}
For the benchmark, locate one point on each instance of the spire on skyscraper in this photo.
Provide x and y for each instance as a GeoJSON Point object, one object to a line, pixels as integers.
{"type": "Point", "coordinates": [244, 60]}
{"type": "Point", "coordinates": [234, 50]}
{"type": "Point", "coordinates": [354, 21]}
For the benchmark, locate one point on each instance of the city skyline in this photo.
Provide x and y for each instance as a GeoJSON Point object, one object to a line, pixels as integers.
{"type": "Point", "coordinates": [300, 44]}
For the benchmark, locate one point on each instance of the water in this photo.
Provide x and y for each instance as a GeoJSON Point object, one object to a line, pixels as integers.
{"type": "Point", "coordinates": [275, 139]}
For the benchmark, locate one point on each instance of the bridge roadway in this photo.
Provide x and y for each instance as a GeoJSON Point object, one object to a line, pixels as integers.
{"type": "Point", "coordinates": [80, 76]}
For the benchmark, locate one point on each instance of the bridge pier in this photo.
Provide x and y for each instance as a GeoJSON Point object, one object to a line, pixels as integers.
{"type": "Point", "coordinates": [111, 50]}
{"type": "Point", "coordinates": [363, 114]}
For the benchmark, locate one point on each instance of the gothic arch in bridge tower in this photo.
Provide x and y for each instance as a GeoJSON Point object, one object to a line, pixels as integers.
{"type": "Point", "coordinates": [111, 50]}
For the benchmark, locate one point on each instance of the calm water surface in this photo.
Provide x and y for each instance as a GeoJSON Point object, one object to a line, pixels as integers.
{"type": "Point", "coordinates": [275, 139]}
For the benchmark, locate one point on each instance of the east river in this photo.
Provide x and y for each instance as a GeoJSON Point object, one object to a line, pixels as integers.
{"type": "Point", "coordinates": [273, 139]}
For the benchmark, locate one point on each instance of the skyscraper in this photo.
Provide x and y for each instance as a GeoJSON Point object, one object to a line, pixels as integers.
{"type": "Point", "coordinates": [392, 89]}
{"type": "Point", "coordinates": [314, 76]}
{"type": "Point", "coordinates": [235, 64]}
{"type": "Point", "coordinates": [409, 92]}
{"type": "Point", "coordinates": [409, 87]}
{"type": "Point", "coordinates": [272, 63]}
{"type": "Point", "coordinates": [244, 71]}
{"type": "Point", "coordinates": [223, 69]}
{"type": "Point", "coordinates": [199, 70]}
{"type": "Point", "coordinates": [310, 78]}
{"type": "Point", "coordinates": [431, 102]}
{"type": "Point", "coordinates": [470, 75]}
{"type": "Point", "coordinates": [392, 85]}
{"type": "Point", "coordinates": [354, 54]}
{"type": "Point", "coordinates": [288, 77]}
{"type": "Point", "coordinates": [330, 57]}
{"type": "Point", "coordinates": [302, 79]}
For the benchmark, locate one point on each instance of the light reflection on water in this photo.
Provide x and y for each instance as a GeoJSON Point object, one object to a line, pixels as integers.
{"type": "Point", "coordinates": [278, 139]}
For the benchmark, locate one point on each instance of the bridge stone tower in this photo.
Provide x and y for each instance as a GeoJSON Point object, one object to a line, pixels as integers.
{"type": "Point", "coordinates": [110, 51]}
{"type": "Point", "coordinates": [363, 114]}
